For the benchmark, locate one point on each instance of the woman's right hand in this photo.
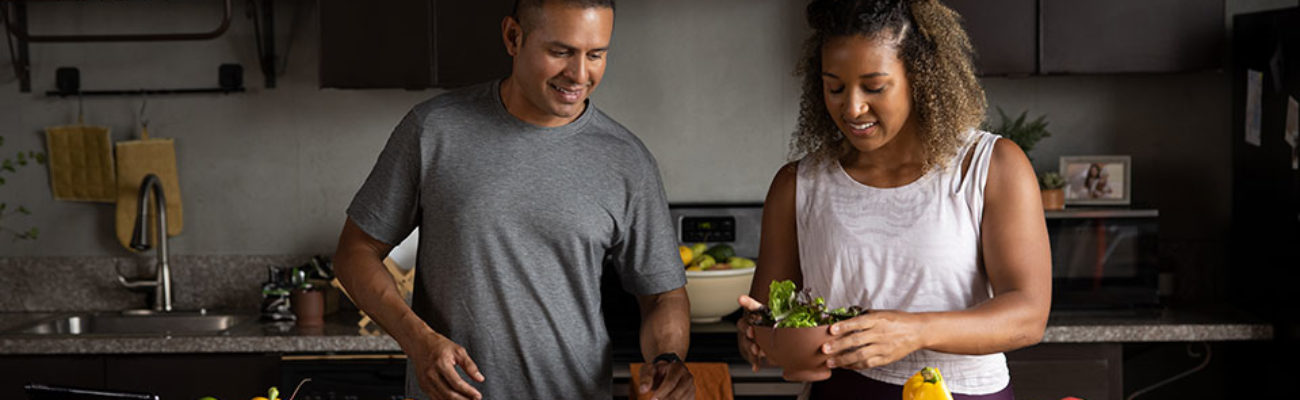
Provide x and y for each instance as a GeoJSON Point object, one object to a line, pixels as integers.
{"type": "Point", "coordinates": [745, 335]}
{"type": "Point", "coordinates": [436, 358]}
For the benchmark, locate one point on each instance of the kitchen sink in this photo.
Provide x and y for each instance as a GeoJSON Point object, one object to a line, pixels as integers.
{"type": "Point", "coordinates": [126, 323]}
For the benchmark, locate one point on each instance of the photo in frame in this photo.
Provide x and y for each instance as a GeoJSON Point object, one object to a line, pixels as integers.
{"type": "Point", "coordinates": [1097, 180]}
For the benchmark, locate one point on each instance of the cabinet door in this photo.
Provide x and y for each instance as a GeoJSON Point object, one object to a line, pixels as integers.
{"type": "Point", "coordinates": [1114, 36]}
{"type": "Point", "coordinates": [1092, 371]}
{"type": "Point", "coordinates": [376, 44]}
{"type": "Point", "coordinates": [468, 48]}
{"type": "Point", "coordinates": [1004, 34]}
{"type": "Point", "coordinates": [192, 376]}
{"type": "Point", "coordinates": [75, 371]}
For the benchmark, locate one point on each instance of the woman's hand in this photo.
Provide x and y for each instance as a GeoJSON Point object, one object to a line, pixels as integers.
{"type": "Point", "coordinates": [874, 339]}
{"type": "Point", "coordinates": [745, 335]}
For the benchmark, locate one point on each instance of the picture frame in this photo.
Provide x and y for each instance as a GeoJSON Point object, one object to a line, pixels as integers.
{"type": "Point", "coordinates": [1097, 180]}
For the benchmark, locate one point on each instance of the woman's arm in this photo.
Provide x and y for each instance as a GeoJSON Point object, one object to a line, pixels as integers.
{"type": "Point", "coordinates": [778, 245]}
{"type": "Point", "coordinates": [1015, 254]}
{"type": "Point", "coordinates": [778, 256]}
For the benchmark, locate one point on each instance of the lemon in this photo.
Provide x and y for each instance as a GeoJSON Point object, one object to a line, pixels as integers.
{"type": "Point", "coordinates": [699, 248]}
{"type": "Point", "coordinates": [687, 254]}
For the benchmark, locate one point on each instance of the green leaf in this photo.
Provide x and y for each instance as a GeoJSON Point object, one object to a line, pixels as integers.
{"type": "Point", "coordinates": [8, 166]}
{"type": "Point", "coordinates": [779, 297]}
{"type": "Point", "coordinates": [23, 210]}
{"type": "Point", "coordinates": [3, 205]}
{"type": "Point", "coordinates": [40, 158]}
{"type": "Point", "coordinates": [2, 181]}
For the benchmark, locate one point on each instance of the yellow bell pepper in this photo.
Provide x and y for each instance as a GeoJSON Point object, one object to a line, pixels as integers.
{"type": "Point", "coordinates": [927, 384]}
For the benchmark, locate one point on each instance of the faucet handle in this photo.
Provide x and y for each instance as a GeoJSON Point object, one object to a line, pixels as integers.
{"type": "Point", "coordinates": [136, 284]}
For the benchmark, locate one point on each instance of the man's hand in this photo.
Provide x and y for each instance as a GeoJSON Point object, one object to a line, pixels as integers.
{"type": "Point", "coordinates": [436, 358]}
{"type": "Point", "coordinates": [668, 380]}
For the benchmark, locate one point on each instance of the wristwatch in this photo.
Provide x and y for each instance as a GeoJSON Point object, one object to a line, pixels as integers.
{"type": "Point", "coordinates": [669, 357]}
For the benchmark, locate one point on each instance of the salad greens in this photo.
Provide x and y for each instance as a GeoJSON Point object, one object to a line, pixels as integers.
{"type": "Point", "coordinates": [791, 308]}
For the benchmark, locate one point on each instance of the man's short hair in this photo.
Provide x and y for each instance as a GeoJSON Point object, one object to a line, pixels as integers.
{"type": "Point", "coordinates": [525, 10]}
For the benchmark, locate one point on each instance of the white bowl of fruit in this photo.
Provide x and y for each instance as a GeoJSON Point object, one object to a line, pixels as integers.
{"type": "Point", "coordinates": [715, 278]}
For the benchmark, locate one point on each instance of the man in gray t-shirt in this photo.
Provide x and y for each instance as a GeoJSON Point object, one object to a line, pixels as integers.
{"type": "Point", "coordinates": [521, 189]}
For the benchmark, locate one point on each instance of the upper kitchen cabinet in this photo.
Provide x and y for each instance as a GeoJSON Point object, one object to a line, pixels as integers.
{"type": "Point", "coordinates": [1004, 34]}
{"type": "Point", "coordinates": [411, 44]}
{"type": "Point", "coordinates": [1122, 36]}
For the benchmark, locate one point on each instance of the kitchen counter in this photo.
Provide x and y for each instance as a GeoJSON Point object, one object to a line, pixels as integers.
{"type": "Point", "coordinates": [709, 341]}
{"type": "Point", "coordinates": [340, 334]}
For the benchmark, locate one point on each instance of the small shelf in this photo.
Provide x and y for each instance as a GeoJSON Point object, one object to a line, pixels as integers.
{"type": "Point", "coordinates": [144, 92]}
{"type": "Point", "coordinates": [1101, 212]}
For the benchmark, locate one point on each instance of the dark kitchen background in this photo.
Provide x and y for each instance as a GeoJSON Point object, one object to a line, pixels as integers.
{"type": "Point", "coordinates": [709, 86]}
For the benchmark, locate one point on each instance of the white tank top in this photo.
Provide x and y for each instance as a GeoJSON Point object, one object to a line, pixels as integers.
{"type": "Point", "coordinates": [911, 248]}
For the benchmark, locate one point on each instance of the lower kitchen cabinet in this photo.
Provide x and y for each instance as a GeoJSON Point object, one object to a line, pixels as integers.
{"type": "Point", "coordinates": [362, 377]}
{"type": "Point", "coordinates": [193, 376]}
{"type": "Point", "coordinates": [184, 377]}
{"type": "Point", "coordinates": [1092, 371]}
{"type": "Point", "coordinates": [78, 371]}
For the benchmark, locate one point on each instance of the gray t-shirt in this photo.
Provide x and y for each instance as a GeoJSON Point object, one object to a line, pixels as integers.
{"type": "Point", "coordinates": [515, 222]}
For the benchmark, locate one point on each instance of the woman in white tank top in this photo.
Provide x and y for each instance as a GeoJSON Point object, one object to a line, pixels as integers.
{"type": "Point", "coordinates": [899, 205]}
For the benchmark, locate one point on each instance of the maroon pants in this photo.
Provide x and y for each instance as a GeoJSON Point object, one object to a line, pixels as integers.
{"type": "Point", "coordinates": [846, 384]}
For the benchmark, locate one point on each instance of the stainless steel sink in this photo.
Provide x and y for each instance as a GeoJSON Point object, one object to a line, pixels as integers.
{"type": "Point", "coordinates": [127, 323]}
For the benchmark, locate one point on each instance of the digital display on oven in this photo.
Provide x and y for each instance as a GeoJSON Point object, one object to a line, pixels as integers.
{"type": "Point", "coordinates": [708, 229]}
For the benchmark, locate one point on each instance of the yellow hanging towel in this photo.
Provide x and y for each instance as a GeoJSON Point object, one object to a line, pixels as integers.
{"type": "Point", "coordinates": [81, 163]}
{"type": "Point", "coordinates": [135, 160]}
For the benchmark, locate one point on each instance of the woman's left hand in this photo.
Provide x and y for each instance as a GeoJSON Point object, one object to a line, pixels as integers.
{"type": "Point", "coordinates": [873, 339]}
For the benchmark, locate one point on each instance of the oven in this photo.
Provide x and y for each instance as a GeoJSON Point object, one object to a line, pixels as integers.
{"type": "Point", "coordinates": [734, 224]}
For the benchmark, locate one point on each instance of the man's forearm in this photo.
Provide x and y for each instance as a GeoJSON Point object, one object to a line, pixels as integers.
{"type": "Point", "coordinates": [374, 291]}
{"type": "Point", "coordinates": [665, 324]}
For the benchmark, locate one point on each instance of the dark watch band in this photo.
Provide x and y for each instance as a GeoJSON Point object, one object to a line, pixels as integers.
{"type": "Point", "coordinates": [669, 357]}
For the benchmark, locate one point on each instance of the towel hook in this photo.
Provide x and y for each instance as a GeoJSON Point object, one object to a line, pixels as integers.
{"type": "Point", "coordinates": [81, 114]}
{"type": "Point", "coordinates": [144, 122]}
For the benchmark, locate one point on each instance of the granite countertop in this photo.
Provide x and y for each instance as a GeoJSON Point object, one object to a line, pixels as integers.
{"type": "Point", "coordinates": [340, 334]}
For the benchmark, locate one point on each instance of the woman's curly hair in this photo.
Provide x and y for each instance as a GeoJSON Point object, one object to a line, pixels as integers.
{"type": "Point", "coordinates": [946, 97]}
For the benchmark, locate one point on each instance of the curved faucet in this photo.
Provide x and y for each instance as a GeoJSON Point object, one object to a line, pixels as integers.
{"type": "Point", "coordinates": [162, 281]}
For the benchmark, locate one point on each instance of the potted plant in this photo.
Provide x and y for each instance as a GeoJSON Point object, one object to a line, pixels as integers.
{"type": "Point", "coordinates": [1022, 132]}
{"type": "Point", "coordinates": [792, 328]}
{"type": "Point", "coordinates": [1052, 186]}
{"type": "Point", "coordinates": [11, 165]}
{"type": "Point", "coordinates": [1026, 133]}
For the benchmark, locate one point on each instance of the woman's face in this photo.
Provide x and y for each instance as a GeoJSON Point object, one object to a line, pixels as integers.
{"type": "Point", "coordinates": [865, 87]}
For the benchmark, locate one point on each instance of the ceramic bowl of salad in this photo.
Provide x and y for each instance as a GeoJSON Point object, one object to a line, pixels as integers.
{"type": "Point", "coordinates": [792, 328]}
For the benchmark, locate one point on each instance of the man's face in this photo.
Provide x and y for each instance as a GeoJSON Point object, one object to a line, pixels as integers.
{"type": "Point", "coordinates": [558, 60]}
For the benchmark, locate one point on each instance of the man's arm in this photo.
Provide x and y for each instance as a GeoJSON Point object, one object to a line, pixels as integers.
{"type": "Point", "coordinates": [359, 265]}
{"type": "Point", "coordinates": [665, 324]}
{"type": "Point", "coordinates": [359, 262]}
{"type": "Point", "coordinates": [666, 328]}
